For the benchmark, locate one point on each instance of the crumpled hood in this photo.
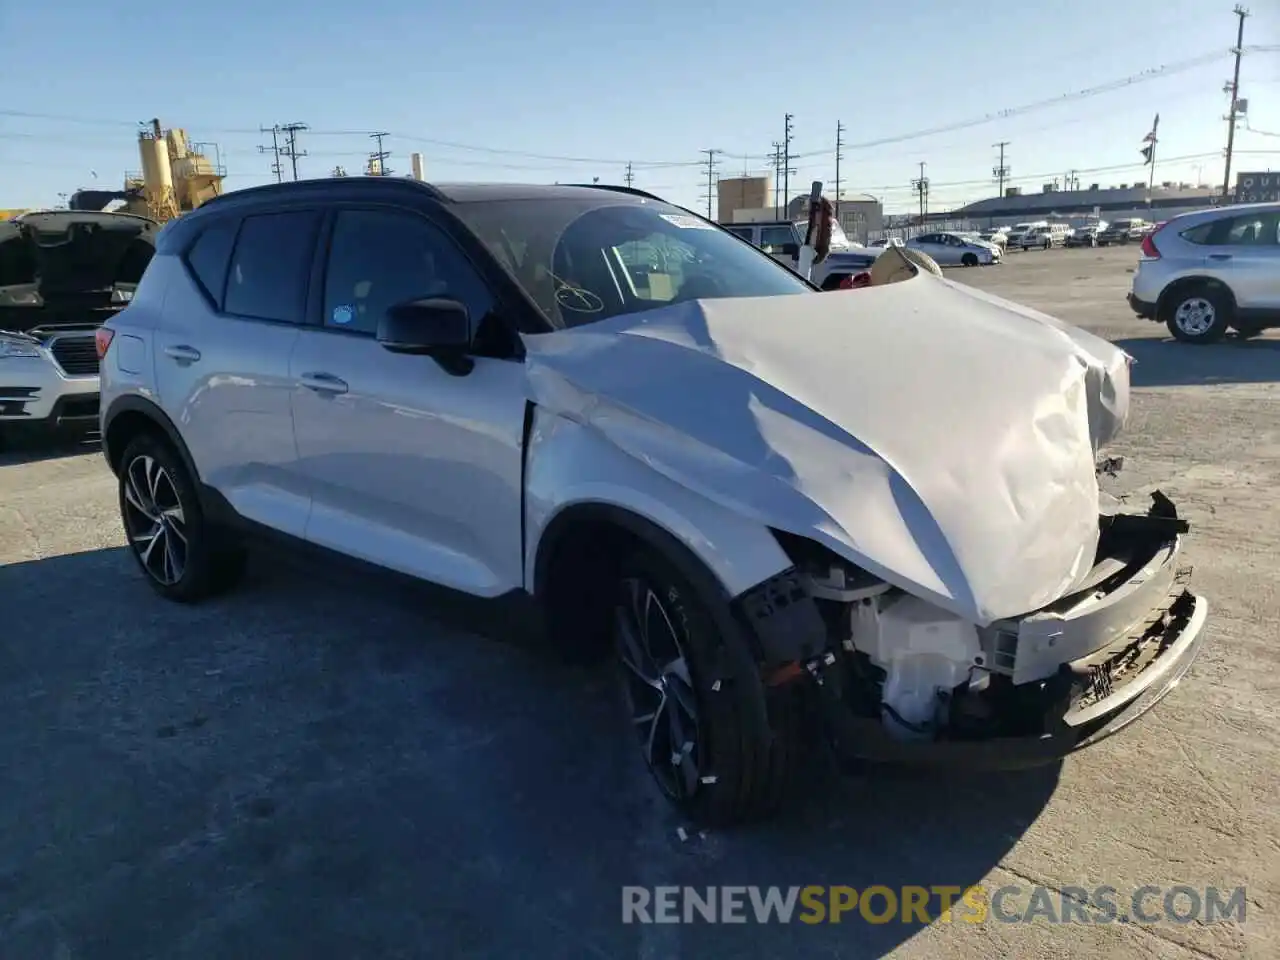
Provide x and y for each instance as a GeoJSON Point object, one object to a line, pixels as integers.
{"type": "Point", "coordinates": [941, 438]}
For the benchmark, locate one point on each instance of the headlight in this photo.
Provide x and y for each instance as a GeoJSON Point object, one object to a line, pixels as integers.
{"type": "Point", "coordinates": [121, 296]}
{"type": "Point", "coordinates": [13, 347]}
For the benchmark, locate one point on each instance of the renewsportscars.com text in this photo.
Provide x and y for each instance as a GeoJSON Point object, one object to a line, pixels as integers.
{"type": "Point", "coordinates": [942, 904]}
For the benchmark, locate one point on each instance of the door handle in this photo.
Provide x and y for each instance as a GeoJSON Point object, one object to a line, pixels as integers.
{"type": "Point", "coordinates": [182, 353]}
{"type": "Point", "coordinates": [1219, 256]}
{"type": "Point", "coordinates": [324, 383]}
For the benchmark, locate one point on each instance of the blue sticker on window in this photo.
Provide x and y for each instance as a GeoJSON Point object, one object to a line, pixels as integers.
{"type": "Point", "coordinates": [343, 314]}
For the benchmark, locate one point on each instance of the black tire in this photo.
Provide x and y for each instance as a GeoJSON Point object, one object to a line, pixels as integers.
{"type": "Point", "coordinates": [732, 768]}
{"type": "Point", "coordinates": [160, 509]}
{"type": "Point", "coordinates": [969, 260]}
{"type": "Point", "coordinates": [1197, 314]}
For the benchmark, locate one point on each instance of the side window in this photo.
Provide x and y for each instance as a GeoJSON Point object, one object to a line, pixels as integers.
{"type": "Point", "coordinates": [743, 232]}
{"type": "Point", "coordinates": [380, 258]}
{"type": "Point", "coordinates": [1252, 230]}
{"type": "Point", "coordinates": [271, 265]}
{"type": "Point", "coordinates": [207, 259]}
{"type": "Point", "coordinates": [1202, 233]}
{"type": "Point", "coordinates": [776, 239]}
{"type": "Point", "coordinates": [928, 238]}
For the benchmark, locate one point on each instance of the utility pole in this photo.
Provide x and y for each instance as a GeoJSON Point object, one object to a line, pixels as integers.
{"type": "Point", "coordinates": [1073, 180]}
{"type": "Point", "coordinates": [921, 186]}
{"type": "Point", "coordinates": [1234, 90]}
{"type": "Point", "coordinates": [274, 149]}
{"type": "Point", "coordinates": [628, 176]}
{"type": "Point", "coordinates": [711, 173]}
{"type": "Point", "coordinates": [1000, 171]}
{"type": "Point", "coordinates": [786, 164]}
{"type": "Point", "coordinates": [291, 131]}
{"type": "Point", "coordinates": [839, 145]}
{"type": "Point", "coordinates": [777, 176]}
{"type": "Point", "coordinates": [378, 159]}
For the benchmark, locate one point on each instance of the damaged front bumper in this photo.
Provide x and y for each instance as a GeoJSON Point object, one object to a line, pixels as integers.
{"type": "Point", "coordinates": [1029, 691]}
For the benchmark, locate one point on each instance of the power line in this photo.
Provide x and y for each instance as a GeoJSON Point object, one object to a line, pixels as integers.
{"type": "Point", "coordinates": [290, 149]}
{"type": "Point", "coordinates": [274, 149]}
{"type": "Point", "coordinates": [1234, 89]}
{"type": "Point", "coordinates": [711, 171]}
{"type": "Point", "coordinates": [1001, 171]}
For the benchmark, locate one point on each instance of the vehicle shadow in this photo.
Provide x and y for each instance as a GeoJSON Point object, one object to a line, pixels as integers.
{"type": "Point", "coordinates": [1168, 363]}
{"type": "Point", "coordinates": [17, 449]}
{"type": "Point", "coordinates": [316, 765]}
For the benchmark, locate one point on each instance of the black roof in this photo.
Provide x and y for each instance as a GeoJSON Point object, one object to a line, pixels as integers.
{"type": "Point", "coordinates": [440, 192]}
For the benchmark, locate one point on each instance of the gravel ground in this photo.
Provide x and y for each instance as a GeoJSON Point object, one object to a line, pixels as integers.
{"type": "Point", "coordinates": [322, 766]}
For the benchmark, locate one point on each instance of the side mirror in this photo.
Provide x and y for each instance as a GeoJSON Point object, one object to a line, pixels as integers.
{"type": "Point", "coordinates": [437, 327]}
{"type": "Point", "coordinates": [425, 326]}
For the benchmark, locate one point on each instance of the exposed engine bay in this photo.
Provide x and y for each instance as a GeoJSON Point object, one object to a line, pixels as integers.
{"type": "Point", "coordinates": [899, 671]}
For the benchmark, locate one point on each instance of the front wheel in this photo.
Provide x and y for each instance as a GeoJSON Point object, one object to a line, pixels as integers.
{"type": "Point", "coordinates": [1198, 315]}
{"type": "Point", "coordinates": [183, 557]}
{"type": "Point", "coordinates": [969, 260]}
{"type": "Point", "coordinates": [693, 696]}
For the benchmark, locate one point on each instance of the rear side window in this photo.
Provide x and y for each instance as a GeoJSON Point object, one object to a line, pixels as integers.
{"type": "Point", "coordinates": [208, 257]}
{"type": "Point", "coordinates": [271, 266]}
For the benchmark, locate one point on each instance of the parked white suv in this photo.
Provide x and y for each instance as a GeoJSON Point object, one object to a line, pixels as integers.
{"type": "Point", "coordinates": [597, 401]}
{"type": "Point", "coordinates": [62, 273]}
{"type": "Point", "coordinates": [1202, 274]}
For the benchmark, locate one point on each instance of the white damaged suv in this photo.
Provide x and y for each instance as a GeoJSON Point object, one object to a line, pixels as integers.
{"type": "Point", "coordinates": [881, 509]}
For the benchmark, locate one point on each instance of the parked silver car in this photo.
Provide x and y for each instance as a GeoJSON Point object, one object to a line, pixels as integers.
{"type": "Point", "coordinates": [1204, 273]}
{"type": "Point", "coordinates": [955, 250]}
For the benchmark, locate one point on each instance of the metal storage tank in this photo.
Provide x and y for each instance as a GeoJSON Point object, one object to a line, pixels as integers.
{"type": "Point", "coordinates": [156, 173]}
{"type": "Point", "coordinates": [418, 166]}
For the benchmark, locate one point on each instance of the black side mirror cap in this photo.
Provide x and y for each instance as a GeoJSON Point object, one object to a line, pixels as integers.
{"type": "Point", "coordinates": [431, 326]}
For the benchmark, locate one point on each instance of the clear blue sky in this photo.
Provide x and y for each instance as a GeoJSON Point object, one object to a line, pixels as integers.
{"type": "Point", "coordinates": [653, 83]}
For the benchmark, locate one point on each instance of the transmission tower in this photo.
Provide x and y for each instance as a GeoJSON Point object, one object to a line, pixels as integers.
{"type": "Point", "coordinates": [290, 149]}
{"type": "Point", "coordinates": [1233, 88]}
{"type": "Point", "coordinates": [839, 147]}
{"type": "Point", "coordinates": [378, 158]}
{"type": "Point", "coordinates": [786, 161]}
{"type": "Point", "coordinates": [629, 177]}
{"type": "Point", "coordinates": [921, 186]}
{"type": "Point", "coordinates": [1000, 171]}
{"type": "Point", "coordinates": [274, 149]}
{"type": "Point", "coordinates": [711, 174]}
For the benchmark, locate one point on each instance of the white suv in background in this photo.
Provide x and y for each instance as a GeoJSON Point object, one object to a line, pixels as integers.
{"type": "Point", "coordinates": [1202, 274]}
{"type": "Point", "coordinates": [666, 446]}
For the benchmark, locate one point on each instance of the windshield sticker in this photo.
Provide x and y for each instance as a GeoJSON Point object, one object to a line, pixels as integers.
{"type": "Point", "coordinates": [577, 300]}
{"type": "Point", "coordinates": [343, 314]}
{"type": "Point", "coordinates": [685, 222]}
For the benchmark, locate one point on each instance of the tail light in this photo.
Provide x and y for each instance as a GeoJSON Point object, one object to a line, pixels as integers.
{"type": "Point", "coordinates": [1149, 245]}
{"type": "Point", "coordinates": [102, 340]}
{"type": "Point", "coordinates": [855, 281]}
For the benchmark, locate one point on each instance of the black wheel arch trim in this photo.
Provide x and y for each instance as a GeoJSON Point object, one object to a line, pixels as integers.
{"type": "Point", "coordinates": [131, 403]}
{"type": "Point", "coordinates": [1183, 283]}
{"type": "Point", "coordinates": [777, 619]}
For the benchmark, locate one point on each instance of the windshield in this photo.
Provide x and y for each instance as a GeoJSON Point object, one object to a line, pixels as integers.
{"type": "Point", "coordinates": [589, 259]}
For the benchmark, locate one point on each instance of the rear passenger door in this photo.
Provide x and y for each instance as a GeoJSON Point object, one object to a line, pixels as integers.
{"type": "Point", "coordinates": [410, 467]}
{"type": "Point", "coordinates": [222, 359]}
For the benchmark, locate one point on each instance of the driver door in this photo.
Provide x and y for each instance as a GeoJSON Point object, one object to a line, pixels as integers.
{"type": "Point", "coordinates": [410, 467]}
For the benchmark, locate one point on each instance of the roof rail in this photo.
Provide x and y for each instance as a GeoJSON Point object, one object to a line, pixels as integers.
{"type": "Point", "coordinates": [617, 188]}
{"type": "Point", "coordinates": [332, 183]}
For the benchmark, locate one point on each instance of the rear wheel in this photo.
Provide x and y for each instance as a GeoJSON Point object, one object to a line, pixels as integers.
{"type": "Point", "coordinates": [184, 557]}
{"type": "Point", "coordinates": [693, 697]}
{"type": "Point", "coordinates": [1198, 314]}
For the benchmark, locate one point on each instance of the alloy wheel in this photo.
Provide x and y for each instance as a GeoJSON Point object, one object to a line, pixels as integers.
{"type": "Point", "coordinates": [1195, 316]}
{"type": "Point", "coordinates": [659, 689]}
{"type": "Point", "coordinates": [154, 520]}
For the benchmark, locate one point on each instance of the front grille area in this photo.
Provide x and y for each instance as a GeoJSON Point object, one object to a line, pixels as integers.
{"type": "Point", "coordinates": [77, 356]}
